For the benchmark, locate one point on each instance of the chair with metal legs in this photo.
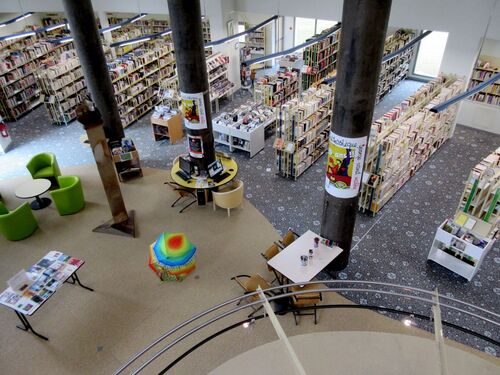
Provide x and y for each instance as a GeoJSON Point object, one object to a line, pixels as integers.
{"type": "Point", "coordinates": [250, 285]}
{"type": "Point", "coordinates": [183, 193]}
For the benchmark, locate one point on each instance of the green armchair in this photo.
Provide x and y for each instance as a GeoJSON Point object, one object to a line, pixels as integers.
{"type": "Point", "coordinates": [18, 224]}
{"type": "Point", "coordinates": [69, 197]}
{"type": "Point", "coordinates": [44, 165]}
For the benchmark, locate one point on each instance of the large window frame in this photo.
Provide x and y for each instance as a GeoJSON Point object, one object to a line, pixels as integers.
{"type": "Point", "coordinates": [316, 31]}
{"type": "Point", "coordinates": [413, 63]}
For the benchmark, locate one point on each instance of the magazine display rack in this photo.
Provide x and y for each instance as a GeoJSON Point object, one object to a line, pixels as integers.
{"type": "Point", "coordinates": [126, 159]}
{"type": "Point", "coordinates": [302, 128]}
{"type": "Point", "coordinates": [244, 128]}
{"type": "Point", "coordinates": [403, 139]}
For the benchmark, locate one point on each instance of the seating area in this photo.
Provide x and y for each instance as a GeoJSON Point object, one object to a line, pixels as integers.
{"type": "Point", "coordinates": [303, 303]}
{"type": "Point", "coordinates": [67, 194]}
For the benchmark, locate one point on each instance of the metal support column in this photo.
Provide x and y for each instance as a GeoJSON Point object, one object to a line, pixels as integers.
{"type": "Point", "coordinates": [185, 19]}
{"type": "Point", "coordinates": [364, 26]}
{"type": "Point", "coordinates": [88, 44]}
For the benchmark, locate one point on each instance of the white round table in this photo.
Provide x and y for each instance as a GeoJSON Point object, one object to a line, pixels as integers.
{"type": "Point", "coordinates": [33, 189]}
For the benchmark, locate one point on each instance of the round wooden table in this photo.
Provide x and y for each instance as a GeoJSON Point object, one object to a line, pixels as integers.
{"type": "Point", "coordinates": [33, 189]}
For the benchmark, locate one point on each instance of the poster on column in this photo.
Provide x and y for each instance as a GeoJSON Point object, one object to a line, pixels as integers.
{"type": "Point", "coordinates": [193, 111]}
{"type": "Point", "coordinates": [195, 146]}
{"type": "Point", "coordinates": [345, 165]}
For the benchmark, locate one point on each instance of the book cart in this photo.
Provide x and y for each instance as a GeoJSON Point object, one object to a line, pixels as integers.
{"type": "Point", "coordinates": [403, 139]}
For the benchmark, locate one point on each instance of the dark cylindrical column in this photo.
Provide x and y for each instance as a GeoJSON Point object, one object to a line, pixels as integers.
{"type": "Point", "coordinates": [185, 21]}
{"type": "Point", "coordinates": [364, 26]}
{"type": "Point", "coordinates": [83, 26]}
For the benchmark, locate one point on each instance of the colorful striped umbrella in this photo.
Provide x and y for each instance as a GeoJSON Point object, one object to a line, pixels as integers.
{"type": "Point", "coordinates": [171, 256]}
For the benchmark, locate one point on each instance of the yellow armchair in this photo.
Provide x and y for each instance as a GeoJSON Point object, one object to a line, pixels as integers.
{"type": "Point", "coordinates": [229, 198]}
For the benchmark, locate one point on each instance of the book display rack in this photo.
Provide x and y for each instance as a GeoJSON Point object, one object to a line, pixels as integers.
{"type": "Point", "coordinates": [396, 69]}
{"type": "Point", "coordinates": [302, 128]}
{"type": "Point", "coordinates": [273, 90]}
{"type": "Point", "coordinates": [460, 245]}
{"type": "Point", "coordinates": [20, 91]}
{"type": "Point", "coordinates": [244, 128]}
{"type": "Point", "coordinates": [320, 58]}
{"type": "Point", "coordinates": [63, 87]}
{"type": "Point", "coordinates": [491, 94]}
{"type": "Point", "coordinates": [126, 160]}
{"type": "Point", "coordinates": [403, 139]}
{"type": "Point", "coordinates": [205, 26]}
{"type": "Point", "coordinates": [481, 195]}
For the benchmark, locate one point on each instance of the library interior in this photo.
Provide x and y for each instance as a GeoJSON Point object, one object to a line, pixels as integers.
{"type": "Point", "coordinates": [347, 151]}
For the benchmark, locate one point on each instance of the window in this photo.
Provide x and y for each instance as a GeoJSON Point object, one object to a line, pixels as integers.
{"type": "Point", "coordinates": [430, 54]}
{"type": "Point", "coordinates": [323, 25]}
{"type": "Point", "coordinates": [241, 28]}
{"type": "Point", "coordinates": [304, 29]}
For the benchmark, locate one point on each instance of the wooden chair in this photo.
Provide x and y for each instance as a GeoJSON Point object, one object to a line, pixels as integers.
{"type": "Point", "coordinates": [306, 300]}
{"type": "Point", "coordinates": [183, 193]}
{"type": "Point", "coordinates": [250, 284]}
{"type": "Point", "coordinates": [289, 237]}
{"type": "Point", "coordinates": [272, 251]}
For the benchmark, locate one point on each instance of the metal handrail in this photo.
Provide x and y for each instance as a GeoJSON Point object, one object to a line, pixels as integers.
{"type": "Point", "coordinates": [289, 294]}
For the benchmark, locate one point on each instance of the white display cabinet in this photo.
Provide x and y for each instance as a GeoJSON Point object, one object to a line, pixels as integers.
{"type": "Point", "coordinates": [251, 141]}
{"type": "Point", "coordinates": [458, 254]}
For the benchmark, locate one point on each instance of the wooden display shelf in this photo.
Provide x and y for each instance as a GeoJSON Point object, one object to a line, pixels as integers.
{"type": "Point", "coordinates": [167, 129]}
{"type": "Point", "coordinates": [128, 165]}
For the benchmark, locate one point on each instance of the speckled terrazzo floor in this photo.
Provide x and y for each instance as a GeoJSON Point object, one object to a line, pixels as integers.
{"type": "Point", "coordinates": [392, 247]}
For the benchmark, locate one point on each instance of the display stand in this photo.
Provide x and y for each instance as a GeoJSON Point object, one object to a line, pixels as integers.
{"type": "Point", "coordinates": [237, 135]}
{"type": "Point", "coordinates": [453, 247]}
{"type": "Point", "coordinates": [170, 129]}
{"type": "Point", "coordinates": [126, 160]}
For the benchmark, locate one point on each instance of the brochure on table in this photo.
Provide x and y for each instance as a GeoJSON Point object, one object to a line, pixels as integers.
{"type": "Point", "coordinates": [28, 290]}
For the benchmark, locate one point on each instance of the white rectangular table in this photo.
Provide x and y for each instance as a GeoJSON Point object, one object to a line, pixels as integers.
{"type": "Point", "coordinates": [48, 275]}
{"type": "Point", "coordinates": [288, 263]}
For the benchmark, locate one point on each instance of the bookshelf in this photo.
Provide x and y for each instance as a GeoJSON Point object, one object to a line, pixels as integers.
{"type": "Point", "coordinates": [273, 90]}
{"type": "Point", "coordinates": [481, 196]}
{"type": "Point", "coordinates": [320, 58]}
{"type": "Point", "coordinates": [205, 27]}
{"type": "Point", "coordinates": [302, 128]}
{"type": "Point", "coordinates": [244, 128]}
{"type": "Point", "coordinates": [395, 70]}
{"type": "Point", "coordinates": [403, 139]}
{"type": "Point", "coordinates": [135, 78]}
{"type": "Point", "coordinates": [491, 94]}
{"type": "Point", "coordinates": [63, 87]}
{"type": "Point", "coordinates": [19, 62]}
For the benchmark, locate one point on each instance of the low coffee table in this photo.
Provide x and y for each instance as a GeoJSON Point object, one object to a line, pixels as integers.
{"type": "Point", "coordinates": [33, 189]}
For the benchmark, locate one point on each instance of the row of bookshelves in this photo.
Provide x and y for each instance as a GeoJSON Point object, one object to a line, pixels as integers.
{"type": "Point", "coordinates": [273, 90]}
{"type": "Point", "coordinates": [404, 138]}
{"type": "Point", "coordinates": [491, 94]}
{"type": "Point", "coordinates": [302, 126]}
{"type": "Point", "coordinates": [482, 191]}
{"type": "Point", "coordinates": [320, 58]}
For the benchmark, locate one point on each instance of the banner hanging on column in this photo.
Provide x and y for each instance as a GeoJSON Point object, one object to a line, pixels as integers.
{"type": "Point", "coordinates": [193, 111]}
{"type": "Point", "coordinates": [345, 165]}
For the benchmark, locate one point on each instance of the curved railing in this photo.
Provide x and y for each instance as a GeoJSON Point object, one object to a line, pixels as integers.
{"type": "Point", "coordinates": [196, 322]}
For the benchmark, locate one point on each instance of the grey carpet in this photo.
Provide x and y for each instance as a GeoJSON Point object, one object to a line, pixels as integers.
{"type": "Point", "coordinates": [392, 247]}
